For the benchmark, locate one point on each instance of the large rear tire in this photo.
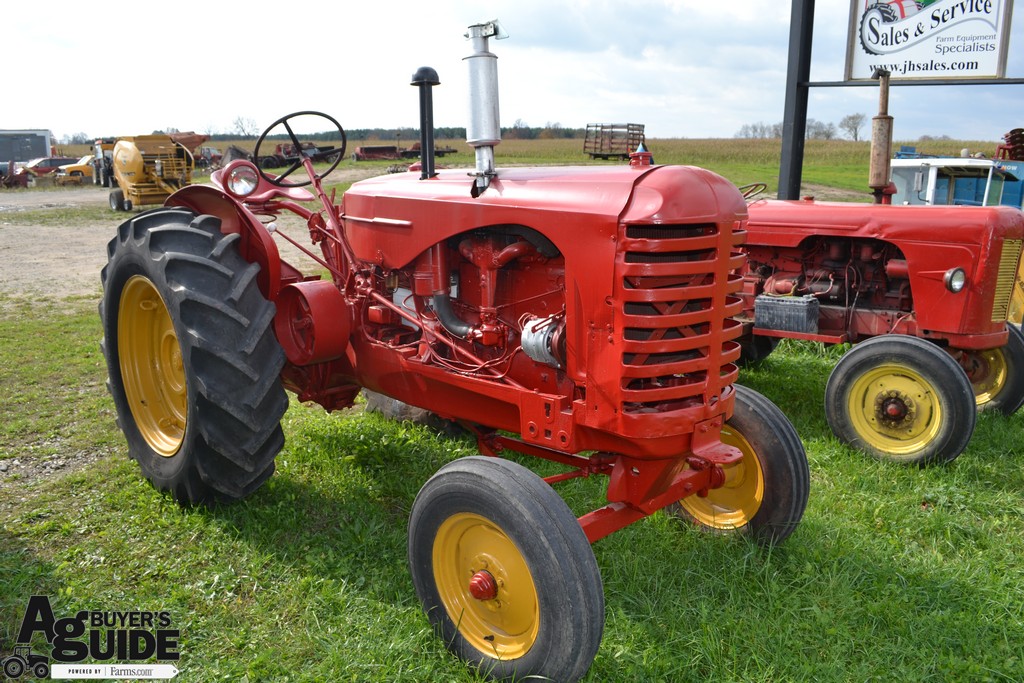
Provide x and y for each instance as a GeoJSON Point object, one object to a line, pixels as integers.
{"type": "Point", "coordinates": [393, 409]}
{"type": "Point", "coordinates": [13, 667]}
{"type": "Point", "coordinates": [505, 573]}
{"type": "Point", "coordinates": [194, 368]}
{"type": "Point", "coordinates": [902, 399]}
{"type": "Point", "coordinates": [997, 375]}
{"type": "Point", "coordinates": [765, 494]}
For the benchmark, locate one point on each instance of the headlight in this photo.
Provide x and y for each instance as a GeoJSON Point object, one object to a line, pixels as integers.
{"type": "Point", "coordinates": [242, 180]}
{"type": "Point", "coordinates": [955, 279]}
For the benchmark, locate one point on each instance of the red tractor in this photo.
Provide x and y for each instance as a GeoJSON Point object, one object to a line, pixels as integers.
{"type": "Point", "coordinates": [921, 291]}
{"type": "Point", "coordinates": [581, 315]}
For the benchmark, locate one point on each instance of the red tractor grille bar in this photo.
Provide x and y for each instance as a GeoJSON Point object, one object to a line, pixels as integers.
{"type": "Point", "coordinates": [676, 293]}
{"type": "Point", "coordinates": [1005, 282]}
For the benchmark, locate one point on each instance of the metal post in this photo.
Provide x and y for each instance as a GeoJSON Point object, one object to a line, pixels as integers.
{"type": "Point", "coordinates": [798, 73]}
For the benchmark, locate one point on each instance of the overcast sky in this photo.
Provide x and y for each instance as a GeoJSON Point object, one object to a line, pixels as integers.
{"type": "Point", "coordinates": [685, 68]}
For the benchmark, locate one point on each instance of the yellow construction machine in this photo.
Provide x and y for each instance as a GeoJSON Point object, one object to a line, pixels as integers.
{"type": "Point", "coordinates": [148, 169]}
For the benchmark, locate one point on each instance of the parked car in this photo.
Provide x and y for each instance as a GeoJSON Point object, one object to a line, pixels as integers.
{"type": "Point", "coordinates": [45, 165]}
{"type": "Point", "coordinates": [76, 172]}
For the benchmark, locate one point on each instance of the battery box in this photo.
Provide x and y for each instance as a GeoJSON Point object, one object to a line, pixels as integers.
{"type": "Point", "coordinates": [786, 313]}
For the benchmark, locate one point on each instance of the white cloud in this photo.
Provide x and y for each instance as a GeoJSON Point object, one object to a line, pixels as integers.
{"type": "Point", "coordinates": [683, 67]}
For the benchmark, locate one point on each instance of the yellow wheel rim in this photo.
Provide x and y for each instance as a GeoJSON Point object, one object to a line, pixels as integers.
{"type": "Point", "coordinates": [734, 504]}
{"type": "Point", "coordinates": [894, 410]}
{"type": "Point", "coordinates": [988, 375]}
{"type": "Point", "coordinates": [151, 366]}
{"type": "Point", "coordinates": [504, 626]}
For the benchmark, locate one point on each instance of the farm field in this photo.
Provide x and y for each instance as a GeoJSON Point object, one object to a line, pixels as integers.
{"type": "Point", "coordinates": [895, 574]}
{"type": "Point", "coordinates": [832, 168]}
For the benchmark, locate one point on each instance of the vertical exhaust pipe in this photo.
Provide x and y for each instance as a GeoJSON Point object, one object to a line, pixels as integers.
{"type": "Point", "coordinates": [881, 141]}
{"type": "Point", "coordinates": [484, 129]}
{"type": "Point", "coordinates": [426, 78]}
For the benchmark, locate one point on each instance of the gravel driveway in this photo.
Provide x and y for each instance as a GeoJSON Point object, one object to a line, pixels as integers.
{"type": "Point", "coordinates": [49, 261]}
{"type": "Point", "coordinates": [52, 262]}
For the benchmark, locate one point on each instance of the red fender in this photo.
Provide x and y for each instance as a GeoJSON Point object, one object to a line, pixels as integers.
{"type": "Point", "coordinates": [257, 245]}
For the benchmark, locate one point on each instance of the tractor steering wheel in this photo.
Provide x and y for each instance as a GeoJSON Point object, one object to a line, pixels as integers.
{"type": "Point", "coordinates": [286, 123]}
{"type": "Point", "coordinates": [752, 190]}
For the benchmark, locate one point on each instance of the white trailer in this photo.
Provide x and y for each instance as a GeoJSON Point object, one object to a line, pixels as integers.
{"type": "Point", "coordinates": [24, 145]}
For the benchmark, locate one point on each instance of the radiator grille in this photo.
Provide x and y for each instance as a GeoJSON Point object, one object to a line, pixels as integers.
{"type": "Point", "coordinates": [677, 294]}
{"type": "Point", "coordinates": [1004, 285]}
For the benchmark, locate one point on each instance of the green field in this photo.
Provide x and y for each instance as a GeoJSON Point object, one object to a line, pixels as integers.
{"type": "Point", "coordinates": [895, 574]}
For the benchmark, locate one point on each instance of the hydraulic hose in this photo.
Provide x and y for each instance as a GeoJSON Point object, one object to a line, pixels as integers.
{"type": "Point", "coordinates": [454, 324]}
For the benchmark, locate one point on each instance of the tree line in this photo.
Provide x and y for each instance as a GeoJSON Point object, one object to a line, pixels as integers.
{"type": "Point", "coordinates": [243, 128]}
{"type": "Point", "coordinates": [413, 134]}
{"type": "Point", "coordinates": [850, 125]}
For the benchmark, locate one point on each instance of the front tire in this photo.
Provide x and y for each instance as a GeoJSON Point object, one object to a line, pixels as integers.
{"type": "Point", "coordinates": [765, 494]}
{"type": "Point", "coordinates": [902, 399]}
{"type": "Point", "coordinates": [194, 368]}
{"type": "Point", "coordinates": [504, 571]}
{"type": "Point", "coordinates": [997, 375]}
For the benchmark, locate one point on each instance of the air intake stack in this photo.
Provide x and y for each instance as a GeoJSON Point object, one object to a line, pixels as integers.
{"type": "Point", "coordinates": [484, 129]}
{"type": "Point", "coordinates": [426, 78]}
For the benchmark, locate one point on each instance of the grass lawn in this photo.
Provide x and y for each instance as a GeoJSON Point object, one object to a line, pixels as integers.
{"type": "Point", "coordinates": [895, 573]}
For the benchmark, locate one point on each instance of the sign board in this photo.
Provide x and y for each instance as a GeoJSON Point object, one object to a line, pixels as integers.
{"type": "Point", "coordinates": [928, 38]}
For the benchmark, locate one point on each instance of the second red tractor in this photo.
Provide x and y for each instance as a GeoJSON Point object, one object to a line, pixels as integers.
{"type": "Point", "coordinates": [922, 293]}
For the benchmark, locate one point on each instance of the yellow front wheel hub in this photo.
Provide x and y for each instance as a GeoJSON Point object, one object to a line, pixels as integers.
{"type": "Point", "coordinates": [503, 620]}
{"type": "Point", "coordinates": [895, 410]}
{"type": "Point", "coordinates": [151, 366]}
{"type": "Point", "coordinates": [734, 504]}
